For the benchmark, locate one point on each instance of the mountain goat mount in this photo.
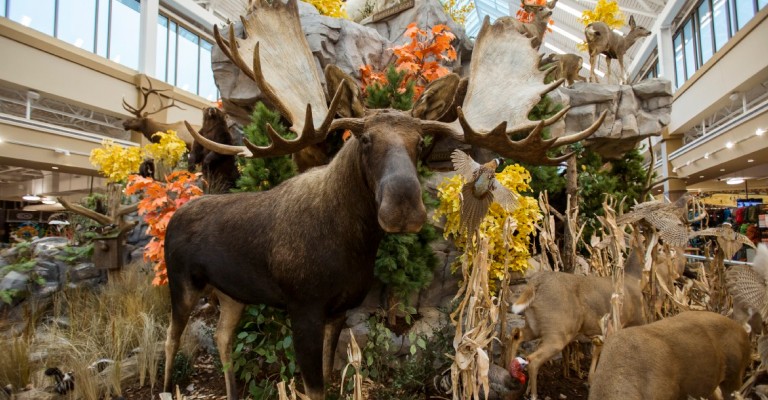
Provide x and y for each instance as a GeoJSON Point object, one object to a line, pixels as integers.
{"type": "Point", "coordinates": [370, 187]}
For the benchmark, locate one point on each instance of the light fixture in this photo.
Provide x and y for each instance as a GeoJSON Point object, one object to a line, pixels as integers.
{"type": "Point", "coordinates": [61, 151]}
{"type": "Point", "coordinates": [674, 169]}
{"type": "Point", "coordinates": [687, 163]}
{"type": "Point", "coordinates": [49, 200]}
{"type": "Point", "coordinates": [750, 160]}
{"type": "Point", "coordinates": [759, 131]}
{"type": "Point", "coordinates": [701, 176]}
{"type": "Point", "coordinates": [706, 156]}
{"type": "Point", "coordinates": [733, 97]}
{"type": "Point", "coordinates": [734, 181]}
{"type": "Point", "coordinates": [722, 169]}
{"type": "Point", "coordinates": [729, 145]}
{"type": "Point", "coordinates": [30, 197]}
{"type": "Point", "coordinates": [54, 167]}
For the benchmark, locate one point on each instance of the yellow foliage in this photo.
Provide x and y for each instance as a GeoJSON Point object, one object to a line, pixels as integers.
{"type": "Point", "coordinates": [516, 179]}
{"type": "Point", "coordinates": [116, 162]}
{"type": "Point", "coordinates": [605, 11]}
{"type": "Point", "coordinates": [458, 14]}
{"type": "Point", "coordinates": [168, 150]}
{"type": "Point", "coordinates": [331, 8]}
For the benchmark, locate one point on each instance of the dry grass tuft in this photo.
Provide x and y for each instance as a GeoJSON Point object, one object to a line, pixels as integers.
{"type": "Point", "coordinates": [15, 367]}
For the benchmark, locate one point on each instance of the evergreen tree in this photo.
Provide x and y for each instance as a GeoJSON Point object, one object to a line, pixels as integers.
{"type": "Point", "coordinates": [394, 93]}
{"type": "Point", "coordinates": [264, 173]}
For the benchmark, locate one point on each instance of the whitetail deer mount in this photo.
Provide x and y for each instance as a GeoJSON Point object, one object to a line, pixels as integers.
{"type": "Point", "coordinates": [601, 39]}
{"type": "Point", "coordinates": [141, 121]}
{"type": "Point", "coordinates": [537, 27]}
{"type": "Point", "coordinates": [568, 67]}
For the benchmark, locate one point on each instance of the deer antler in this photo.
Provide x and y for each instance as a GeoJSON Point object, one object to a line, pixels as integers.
{"type": "Point", "coordinates": [490, 106]}
{"type": "Point", "coordinates": [145, 93]}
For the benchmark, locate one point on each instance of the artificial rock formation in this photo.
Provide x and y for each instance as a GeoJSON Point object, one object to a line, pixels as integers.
{"type": "Point", "coordinates": [341, 42]}
{"type": "Point", "coordinates": [635, 112]}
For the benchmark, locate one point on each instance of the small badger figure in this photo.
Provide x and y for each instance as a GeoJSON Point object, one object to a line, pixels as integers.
{"type": "Point", "coordinates": [64, 382]}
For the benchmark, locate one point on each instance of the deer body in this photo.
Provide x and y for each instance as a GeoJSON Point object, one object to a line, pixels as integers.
{"type": "Point", "coordinates": [559, 307]}
{"type": "Point", "coordinates": [535, 29]}
{"type": "Point", "coordinates": [601, 39]}
{"type": "Point", "coordinates": [691, 354]}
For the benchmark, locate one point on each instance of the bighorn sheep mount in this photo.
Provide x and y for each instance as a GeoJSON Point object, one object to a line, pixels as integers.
{"type": "Point", "coordinates": [369, 188]}
{"type": "Point", "coordinates": [603, 40]}
{"type": "Point", "coordinates": [147, 126]}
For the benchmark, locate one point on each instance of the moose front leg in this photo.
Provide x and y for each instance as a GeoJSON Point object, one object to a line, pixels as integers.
{"type": "Point", "coordinates": [333, 328]}
{"type": "Point", "coordinates": [308, 339]}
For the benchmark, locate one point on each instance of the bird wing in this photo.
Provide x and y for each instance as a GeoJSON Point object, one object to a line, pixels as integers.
{"type": "Point", "coordinates": [473, 209]}
{"type": "Point", "coordinates": [464, 164]}
{"type": "Point", "coordinates": [748, 288]}
{"type": "Point", "coordinates": [505, 197]}
{"type": "Point", "coordinates": [671, 229]}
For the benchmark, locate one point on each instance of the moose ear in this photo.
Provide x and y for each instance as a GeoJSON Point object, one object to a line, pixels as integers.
{"type": "Point", "coordinates": [350, 105]}
{"type": "Point", "coordinates": [437, 98]}
{"type": "Point", "coordinates": [632, 21]}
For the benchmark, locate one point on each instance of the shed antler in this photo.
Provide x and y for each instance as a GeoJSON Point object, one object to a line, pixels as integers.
{"type": "Point", "coordinates": [504, 86]}
{"type": "Point", "coordinates": [145, 93]}
{"type": "Point", "coordinates": [293, 88]}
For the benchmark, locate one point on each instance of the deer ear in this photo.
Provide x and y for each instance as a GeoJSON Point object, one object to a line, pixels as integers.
{"type": "Point", "coordinates": [632, 21]}
{"type": "Point", "coordinates": [436, 99]}
{"type": "Point", "coordinates": [551, 4]}
{"type": "Point", "coordinates": [350, 105]}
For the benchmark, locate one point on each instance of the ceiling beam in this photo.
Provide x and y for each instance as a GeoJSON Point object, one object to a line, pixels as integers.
{"type": "Point", "coordinates": [645, 5]}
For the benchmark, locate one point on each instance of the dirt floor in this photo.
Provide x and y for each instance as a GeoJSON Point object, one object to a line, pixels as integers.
{"type": "Point", "coordinates": [208, 383]}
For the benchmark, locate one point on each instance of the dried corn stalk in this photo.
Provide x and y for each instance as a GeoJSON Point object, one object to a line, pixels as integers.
{"type": "Point", "coordinates": [547, 235]}
{"type": "Point", "coordinates": [476, 320]}
{"type": "Point", "coordinates": [294, 395]}
{"type": "Point", "coordinates": [614, 251]}
{"type": "Point", "coordinates": [355, 360]}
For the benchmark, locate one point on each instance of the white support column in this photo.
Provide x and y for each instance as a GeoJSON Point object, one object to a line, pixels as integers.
{"type": "Point", "coordinates": [148, 36]}
{"type": "Point", "coordinates": [666, 53]}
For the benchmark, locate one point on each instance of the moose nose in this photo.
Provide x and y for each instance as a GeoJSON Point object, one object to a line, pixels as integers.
{"type": "Point", "coordinates": [401, 209]}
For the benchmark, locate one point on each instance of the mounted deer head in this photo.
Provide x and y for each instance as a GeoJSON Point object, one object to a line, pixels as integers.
{"type": "Point", "coordinates": [147, 126]}
{"type": "Point", "coordinates": [603, 40]}
{"type": "Point", "coordinates": [539, 19]}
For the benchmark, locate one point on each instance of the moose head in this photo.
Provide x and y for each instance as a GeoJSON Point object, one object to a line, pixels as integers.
{"type": "Point", "coordinates": [370, 187]}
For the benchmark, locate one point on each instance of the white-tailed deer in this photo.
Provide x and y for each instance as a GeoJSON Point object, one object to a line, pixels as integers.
{"type": "Point", "coordinates": [559, 307]}
{"type": "Point", "coordinates": [370, 187]}
{"type": "Point", "coordinates": [603, 40]}
{"type": "Point", "coordinates": [537, 27]}
{"type": "Point", "coordinates": [568, 67]}
{"type": "Point", "coordinates": [147, 126]}
{"type": "Point", "coordinates": [689, 355]}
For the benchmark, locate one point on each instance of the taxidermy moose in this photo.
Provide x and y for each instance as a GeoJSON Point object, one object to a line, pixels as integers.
{"type": "Point", "coordinates": [370, 187]}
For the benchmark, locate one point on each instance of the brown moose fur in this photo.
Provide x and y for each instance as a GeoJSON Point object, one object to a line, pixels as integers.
{"type": "Point", "coordinates": [690, 354]}
{"type": "Point", "coordinates": [219, 170]}
{"type": "Point", "coordinates": [559, 307]}
{"type": "Point", "coordinates": [307, 245]}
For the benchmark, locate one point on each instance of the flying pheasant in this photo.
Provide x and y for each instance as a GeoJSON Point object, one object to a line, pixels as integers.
{"type": "Point", "coordinates": [480, 190]}
{"type": "Point", "coordinates": [728, 239]}
{"type": "Point", "coordinates": [668, 218]}
{"type": "Point", "coordinates": [749, 284]}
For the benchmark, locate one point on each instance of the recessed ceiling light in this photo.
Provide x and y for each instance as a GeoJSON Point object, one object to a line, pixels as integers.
{"type": "Point", "coordinates": [49, 200]}
{"type": "Point", "coordinates": [729, 145]}
{"type": "Point", "coordinates": [701, 176]}
{"type": "Point", "coordinates": [759, 131]}
{"type": "Point", "coordinates": [54, 167]}
{"type": "Point", "coordinates": [31, 197]}
{"type": "Point", "coordinates": [750, 160]}
{"type": "Point", "coordinates": [722, 169]}
{"type": "Point", "coordinates": [734, 181]}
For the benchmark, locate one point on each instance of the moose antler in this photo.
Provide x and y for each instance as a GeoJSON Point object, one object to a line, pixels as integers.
{"type": "Point", "coordinates": [273, 30]}
{"type": "Point", "coordinates": [145, 93]}
{"type": "Point", "coordinates": [490, 105]}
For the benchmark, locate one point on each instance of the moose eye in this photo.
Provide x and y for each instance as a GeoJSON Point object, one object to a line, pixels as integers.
{"type": "Point", "coordinates": [365, 139]}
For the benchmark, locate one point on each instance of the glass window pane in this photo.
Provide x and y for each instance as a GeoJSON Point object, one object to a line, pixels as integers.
{"type": "Point", "coordinates": [690, 56]}
{"type": "Point", "coordinates": [124, 33]}
{"type": "Point", "coordinates": [732, 15]}
{"type": "Point", "coordinates": [679, 66]}
{"type": "Point", "coordinates": [77, 23]}
{"type": "Point", "coordinates": [37, 15]}
{"type": "Point", "coordinates": [745, 10]}
{"type": "Point", "coordinates": [721, 23]}
{"type": "Point", "coordinates": [761, 4]}
{"type": "Point", "coordinates": [2, 8]}
{"type": "Point", "coordinates": [705, 32]}
{"type": "Point", "coordinates": [172, 39]}
{"type": "Point", "coordinates": [102, 27]}
{"type": "Point", "coordinates": [186, 73]}
{"type": "Point", "coordinates": [207, 84]}
{"type": "Point", "coordinates": [161, 58]}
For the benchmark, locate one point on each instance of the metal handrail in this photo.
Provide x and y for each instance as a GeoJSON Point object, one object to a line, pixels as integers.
{"type": "Point", "coordinates": [727, 262]}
